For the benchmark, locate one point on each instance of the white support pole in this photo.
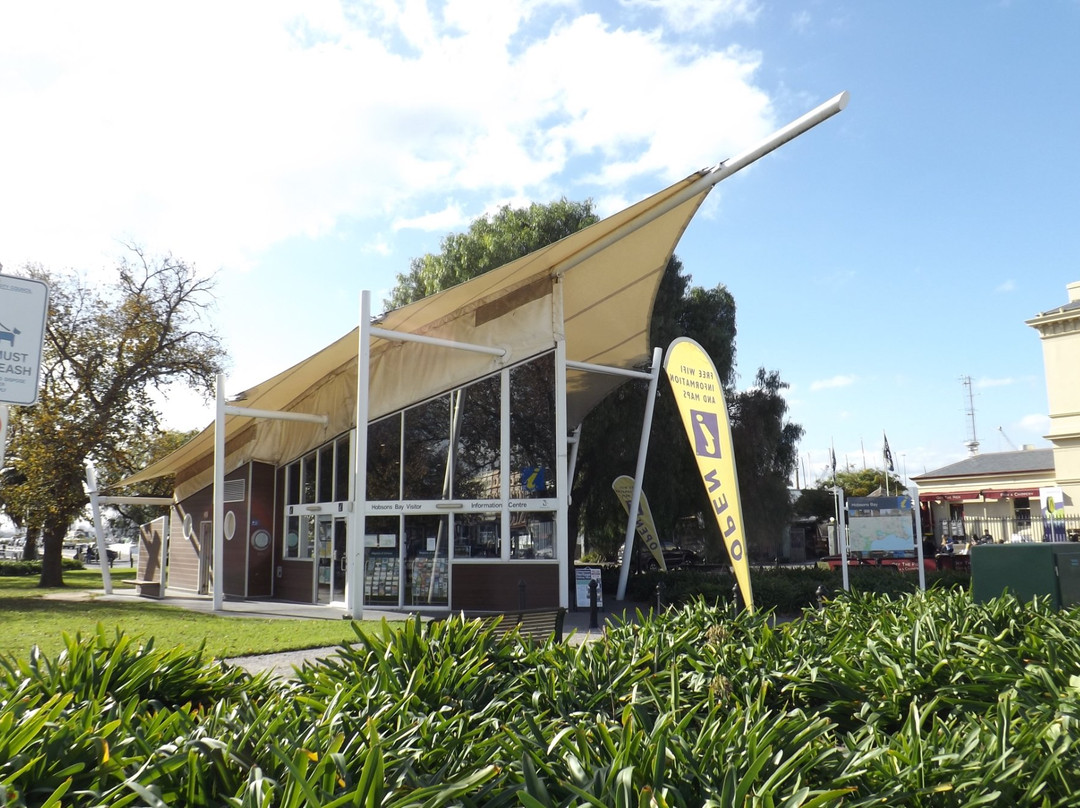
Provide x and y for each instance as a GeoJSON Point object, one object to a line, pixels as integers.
{"type": "Point", "coordinates": [354, 597]}
{"type": "Point", "coordinates": [3, 432]}
{"type": "Point", "coordinates": [575, 442]}
{"type": "Point", "coordinates": [916, 507]}
{"type": "Point", "coordinates": [841, 535]}
{"type": "Point", "coordinates": [217, 569]}
{"type": "Point", "coordinates": [639, 474]}
{"type": "Point", "coordinates": [562, 482]}
{"type": "Point", "coordinates": [99, 531]}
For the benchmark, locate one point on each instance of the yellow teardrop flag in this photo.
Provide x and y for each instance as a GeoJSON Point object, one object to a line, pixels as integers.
{"type": "Point", "coordinates": [700, 399]}
{"type": "Point", "coordinates": [623, 486]}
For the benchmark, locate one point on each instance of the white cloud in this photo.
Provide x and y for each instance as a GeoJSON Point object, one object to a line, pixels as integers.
{"type": "Point", "coordinates": [444, 220]}
{"type": "Point", "coordinates": [832, 383]}
{"type": "Point", "coordinates": [687, 15]}
{"type": "Point", "coordinates": [1007, 286]}
{"type": "Point", "coordinates": [218, 130]}
{"type": "Point", "coordinates": [1036, 424]}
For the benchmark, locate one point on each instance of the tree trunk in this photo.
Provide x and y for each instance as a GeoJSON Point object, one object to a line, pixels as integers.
{"type": "Point", "coordinates": [52, 557]}
{"type": "Point", "coordinates": [30, 545]}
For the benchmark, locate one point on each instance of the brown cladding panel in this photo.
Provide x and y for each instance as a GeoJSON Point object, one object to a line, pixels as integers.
{"type": "Point", "coordinates": [295, 582]}
{"type": "Point", "coordinates": [497, 587]}
{"type": "Point", "coordinates": [261, 562]}
{"type": "Point", "coordinates": [151, 542]}
{"type": "Point", "coordinates": [183, 561]}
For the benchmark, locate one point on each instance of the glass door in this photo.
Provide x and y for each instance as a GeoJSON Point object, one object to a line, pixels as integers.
{"type": "Point", "coordinates": [340, 559]}
{"type": "Point", "coordinates": [324, 559]}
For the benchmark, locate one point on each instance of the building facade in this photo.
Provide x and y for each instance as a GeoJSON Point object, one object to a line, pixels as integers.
{"type": "Point", "coordinates": [1027, 495]}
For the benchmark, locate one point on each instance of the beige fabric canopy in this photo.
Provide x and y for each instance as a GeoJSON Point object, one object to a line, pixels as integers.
{"type": "Point", "coordinates": [595, 287]}
{"type": "Point", "coordinates": [608, 273]}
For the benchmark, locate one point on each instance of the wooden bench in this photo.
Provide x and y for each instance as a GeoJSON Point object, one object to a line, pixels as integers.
{"type": "Point", "coordinates": [536, 624]}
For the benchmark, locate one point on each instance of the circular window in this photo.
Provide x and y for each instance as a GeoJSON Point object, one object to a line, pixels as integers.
{"type": "Point", "coordinates": [189, 526]}
{"type": "Point", "coordinates": [292, 540]}
{"type": "Point", "coordinates": [260, 539]}
{"type": "Point", "coordinates": [230, 525]}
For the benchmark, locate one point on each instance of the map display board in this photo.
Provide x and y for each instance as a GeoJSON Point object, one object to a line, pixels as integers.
{"type": "Point", "coordinates": [881, 524]}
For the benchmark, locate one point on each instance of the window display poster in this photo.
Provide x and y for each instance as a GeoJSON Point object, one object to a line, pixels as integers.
{"type": "Point", "coordinates": [582, 576]}
{"type": "Point", "coordinates": [1053, 513]}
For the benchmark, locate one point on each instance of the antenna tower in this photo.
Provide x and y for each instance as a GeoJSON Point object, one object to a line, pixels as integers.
{"type": "Point", "coordinates": [972, 441]}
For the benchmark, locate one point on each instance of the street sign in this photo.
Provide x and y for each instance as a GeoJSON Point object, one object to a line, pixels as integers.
{"type": "Point", "coordinates": [24, 305]}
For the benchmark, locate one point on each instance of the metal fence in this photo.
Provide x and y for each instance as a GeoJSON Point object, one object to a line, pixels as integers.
{"type": "Point", "coordinates": [1011, 528]}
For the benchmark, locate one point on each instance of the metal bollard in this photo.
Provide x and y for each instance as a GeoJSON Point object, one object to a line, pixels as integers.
{"type": "Point", "coordinates": [659, 598]}
{"type": "Point", "coordinates": [820, 594]}
{"type": "Point", "coordinates": [736, 599]}
{"type": "Point", "coordinates": [594, 616]}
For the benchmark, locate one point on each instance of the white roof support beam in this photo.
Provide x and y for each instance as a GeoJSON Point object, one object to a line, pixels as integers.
{"type": "Point", "coordinates": [610, 371]}
{"type": "Point", "coordinates": [398, 336]}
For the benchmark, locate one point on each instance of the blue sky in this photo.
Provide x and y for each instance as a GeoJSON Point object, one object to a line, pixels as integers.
{"type": "Point", "coordinates": [305, 151]}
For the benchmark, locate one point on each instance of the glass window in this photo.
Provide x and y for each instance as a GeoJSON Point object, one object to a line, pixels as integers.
{"type": "Point", "coordinates": [476, 535]}
{"type": "Point", "coordinates": [384, 459]}
{"type": "Point", "coordinates": [292, 483]}
{"type": "Point", "coordinates": [532, 429]}
{"type": "Point", "coordinates": [342, 464]}
{"type": "Point", "coordinates": [309, 468]}
{"type": "Point", "coordinates": [299, 536]}
{"type": "Point", "coordinates": [427, 443]}
{"type": "Point", "coordinates": [326, 473]}
{"type": "Point", "coordinates": [427, 581]}
{"type": "Point", "coordinates": [382, 560]}
{"type": "Point", "coordinates": [532, 535]}
{"type": "Point", "coordinates": [476, 455]}
{"type": "Point", "coordinates": [1022, 511]}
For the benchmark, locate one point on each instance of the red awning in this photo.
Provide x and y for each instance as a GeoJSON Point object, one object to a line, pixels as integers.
{"type": "Point", "coordinates": [978, 496]}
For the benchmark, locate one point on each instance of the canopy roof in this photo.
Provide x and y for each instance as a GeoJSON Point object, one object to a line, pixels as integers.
{"type": "Point", "coordinates": [608, 285]}
{"type": "Point", "coordinates": [595, 287]}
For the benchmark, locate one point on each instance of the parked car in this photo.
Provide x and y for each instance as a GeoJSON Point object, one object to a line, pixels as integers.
{"type": "Point", "coordinates": [674, 556]}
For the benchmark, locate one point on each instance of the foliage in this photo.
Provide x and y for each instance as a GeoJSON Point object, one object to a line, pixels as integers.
{"type": "Point", "coordinates": [783, 590]}
{"type": "Point", "coordinates": [923, 700]}
{"type": "Point", "coordinates": [817, 502]}
{"type": "Point", "coordinates": [766, 450]}
{"type": "Point", "coordinates": [27, 568]}
{"type": "Point", "coordinates": [863, 482]}
{"type": "Point", "coordinates": [490, 242]}
{"type": "Point", "coordinates": [127, 518]}
{"type": "Point", "coordinates": [107, 346]}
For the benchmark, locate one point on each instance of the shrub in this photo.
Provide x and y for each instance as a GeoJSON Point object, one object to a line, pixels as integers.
{"type": "Point", "coordinates": [923, 699]}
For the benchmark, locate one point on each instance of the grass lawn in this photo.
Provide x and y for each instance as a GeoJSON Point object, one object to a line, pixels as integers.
{"type": "Point", "coordinates": [33, 616]}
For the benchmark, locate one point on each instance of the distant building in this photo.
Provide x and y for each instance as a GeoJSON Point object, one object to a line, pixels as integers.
{"type": "Point", "coordinates": [1021, 495]}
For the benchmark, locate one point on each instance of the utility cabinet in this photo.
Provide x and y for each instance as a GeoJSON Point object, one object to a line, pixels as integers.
{"type": "Point", "coordinates": [1047, 569]}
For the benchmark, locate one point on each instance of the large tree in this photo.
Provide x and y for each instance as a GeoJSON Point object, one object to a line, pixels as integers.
{"type": "Point", "coordinates": [611, 432]}
{"type": "Point", "coordinates": [107, 346]}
